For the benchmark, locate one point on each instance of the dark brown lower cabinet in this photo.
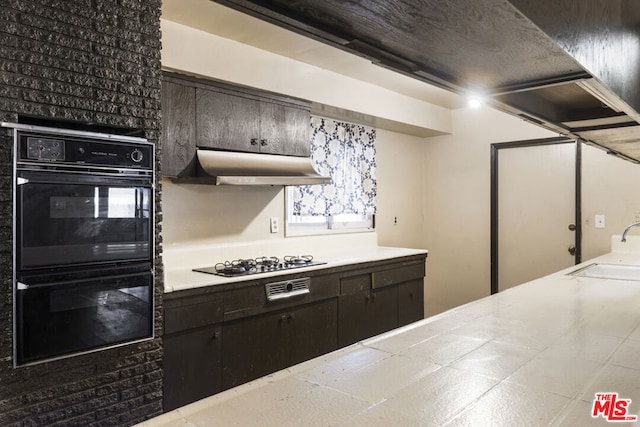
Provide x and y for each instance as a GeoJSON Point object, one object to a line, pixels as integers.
{"type": "Point", "coordinates": [215, 339]}
{"type": "Point", "coordinates": [195, 360]}
{"type": "Point", "coordinates": [260, 345]}
{"type": "Point", "coordinates": [410, 301]}
{"type": "Point", "coordinates": [366, 313]}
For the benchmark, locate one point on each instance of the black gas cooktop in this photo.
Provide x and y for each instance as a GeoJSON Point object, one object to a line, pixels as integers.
{"type": "Point", "coordinates": [245, 267]}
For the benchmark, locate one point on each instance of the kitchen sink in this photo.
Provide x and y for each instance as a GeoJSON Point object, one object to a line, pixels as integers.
{"type": "Point", "coordinates": [609, 271]}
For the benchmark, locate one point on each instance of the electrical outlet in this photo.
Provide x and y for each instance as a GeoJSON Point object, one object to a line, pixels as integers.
{"type": "Point", "coordinates": [395, 220]}
{"type": "Point", "coordinates": [274, 224]}
{"type": "Point", "coordinates": [636, 217]}
{"type": "Point", "coordinates": [599, 220]}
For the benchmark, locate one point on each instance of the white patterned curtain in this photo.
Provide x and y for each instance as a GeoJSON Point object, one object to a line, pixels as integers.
{"type": "Point", "coordinates": [347, 153]}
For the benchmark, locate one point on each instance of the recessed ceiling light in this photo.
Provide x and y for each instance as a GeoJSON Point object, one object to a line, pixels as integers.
{"type": "Point", "coordinates": [475, 101]}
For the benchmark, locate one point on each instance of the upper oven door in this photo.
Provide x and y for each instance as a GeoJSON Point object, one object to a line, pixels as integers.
{"type": "Point", "coordinates": [70, 219]}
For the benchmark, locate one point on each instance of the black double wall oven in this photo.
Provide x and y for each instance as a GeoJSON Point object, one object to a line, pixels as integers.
{"type": "Point", "coordinates": [83, 242]}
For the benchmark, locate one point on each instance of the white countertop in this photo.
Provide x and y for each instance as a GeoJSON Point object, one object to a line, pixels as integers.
{"type": "Point", "coordinates": [183, 277]}
{"type": "Point", "coordinates": [532, 355]}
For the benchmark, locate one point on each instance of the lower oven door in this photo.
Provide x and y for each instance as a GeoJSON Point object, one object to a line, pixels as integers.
{"type": "Point", "coordinates": [81, 315]}
{"type": "Point", "coordinates": [69, 219]}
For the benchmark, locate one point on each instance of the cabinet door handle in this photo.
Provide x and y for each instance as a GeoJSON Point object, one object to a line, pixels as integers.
{"type": "Point", "coordinates": [254, 141]}
{"type": "Point", "coordinates": [367, 298]}
{"type": "Point", "coordinates": [216, 335]}
{"type": "Point", "coordinates": [286, 317]}
{"type": "Point", "coordinates": [263, 142]}
{"type": "Point", "coordinates": [411, 295]}
{"type": "Point", "coordinates": [373, 297]}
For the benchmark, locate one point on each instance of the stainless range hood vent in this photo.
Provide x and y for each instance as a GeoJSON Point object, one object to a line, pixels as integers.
{"type": "Point", "coordinates": [234, 168]}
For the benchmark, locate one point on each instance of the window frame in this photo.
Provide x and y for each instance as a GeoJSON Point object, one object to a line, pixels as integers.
{"type": "Point", "coordinates": [310, 225]}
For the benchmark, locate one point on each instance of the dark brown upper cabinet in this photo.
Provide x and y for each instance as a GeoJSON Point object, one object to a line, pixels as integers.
{"type": "Point", "coordinates": [178, 137]}
{"type": "Point", "coordinates": [227, 122]}
{"type": "Point", "coordinates": [285, 129]}
{"type": "Point", "coordinates": [198, 113]}
{"type": "Point", "coordinates": [248, 124]}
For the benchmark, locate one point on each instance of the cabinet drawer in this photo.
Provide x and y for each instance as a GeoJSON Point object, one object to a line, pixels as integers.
{"type": "Point", "coordinates": [397, 275]}
{"type": "Point", "coordinates": [351, 285]}
{"type": "Point", "coordinates": [252, 300]}
{"type": "Point", "coordinates": [192, 316]}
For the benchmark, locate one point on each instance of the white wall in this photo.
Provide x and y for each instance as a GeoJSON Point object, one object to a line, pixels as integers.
{"type": "Point", "coordinates": [457, 204]}
{"type": "Point", "coordinates": [610, 187]}
{"type": "Point", "coordinates": [227, 214]}
{"type": "Point", "coordinates": [400, 190]}
{"type": "Point", "coordinates": [219, 215]}
{"type": "Point", "coordinates": [196, 52]}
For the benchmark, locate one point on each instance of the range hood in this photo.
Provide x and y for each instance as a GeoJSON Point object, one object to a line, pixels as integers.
{"type": "Point", "coordinates": [237, 168]}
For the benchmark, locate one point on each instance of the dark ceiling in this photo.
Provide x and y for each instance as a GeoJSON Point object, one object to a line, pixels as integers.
{"type": "Point", "coordinates": [456, 44]}
{"type": "Point", "coordinates": [571, 66]}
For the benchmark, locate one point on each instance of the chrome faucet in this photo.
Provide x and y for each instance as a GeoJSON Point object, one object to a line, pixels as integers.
{"type": "Point", "coordinates": [626, 230]}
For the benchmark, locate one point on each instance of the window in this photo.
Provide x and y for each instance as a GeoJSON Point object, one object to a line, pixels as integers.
{"type": "Point", "coordinates": [345, 152]}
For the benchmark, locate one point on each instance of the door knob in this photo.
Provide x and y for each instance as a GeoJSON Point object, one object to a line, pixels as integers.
{"type": "Point", "coordinates": [572, 227]}
{"type": "Point", "coordinates": [572, 250]}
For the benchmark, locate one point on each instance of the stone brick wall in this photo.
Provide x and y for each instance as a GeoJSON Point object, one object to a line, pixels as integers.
{"type": "Point", "coordinates": [92, 61]}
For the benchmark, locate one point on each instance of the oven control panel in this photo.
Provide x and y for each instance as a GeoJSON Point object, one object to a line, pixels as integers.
{"type": "Point", "coordinates": [45, 148]}
{"type": "Point", "coordinates": [79, 151]}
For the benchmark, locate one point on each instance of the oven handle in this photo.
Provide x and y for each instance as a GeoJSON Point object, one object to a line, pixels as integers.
{"type": "Point", "coordinates": [102, 282]}
{"type": "Point", "coordinates": [57, 177]}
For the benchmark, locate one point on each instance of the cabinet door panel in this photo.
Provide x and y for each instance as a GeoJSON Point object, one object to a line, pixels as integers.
{"type": "Point", "coordinates": [353, 317]}
{"type": "Point", "coordinates": [313, 330]}
{"type": "Point", "coordinates": [227, 122]}
{"type": "Point", "coordinates": [193, 365]}
{"type": "Point", "coordinates": [410, 302]}
{"type": "Point", "coordinates": [284, 130]}
{"type": "Point", "coordinates": [254, 347]}
{"type": "Point", "coordinates": [297, 132]}
{"type": "Point", "coordinates": [384, 310]}
{"type": "Point", "coordinates": [178, 137]}
{"type": "Point", "coordinates": [272, 141]}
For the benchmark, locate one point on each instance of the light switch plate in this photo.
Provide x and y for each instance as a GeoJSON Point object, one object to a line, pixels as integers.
{"type": "Point", "coordinates": [599, 221]}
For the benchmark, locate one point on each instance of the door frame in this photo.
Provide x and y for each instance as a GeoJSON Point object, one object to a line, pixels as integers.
{"type": "Point", "coordinates": [495, 148]}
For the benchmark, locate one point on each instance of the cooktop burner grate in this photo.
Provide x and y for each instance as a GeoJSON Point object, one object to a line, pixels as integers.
{"type": "Point", "coordinates": [244, 267]}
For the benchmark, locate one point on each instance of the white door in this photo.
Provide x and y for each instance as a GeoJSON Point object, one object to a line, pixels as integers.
{"type": "Point", "coordinates": [536, 206]}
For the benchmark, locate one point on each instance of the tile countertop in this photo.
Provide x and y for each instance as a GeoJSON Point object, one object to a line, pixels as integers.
{"type": "Point", "coordinates": [532, 355]}
{"type": "Point", "coordinates": [184, 278]}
